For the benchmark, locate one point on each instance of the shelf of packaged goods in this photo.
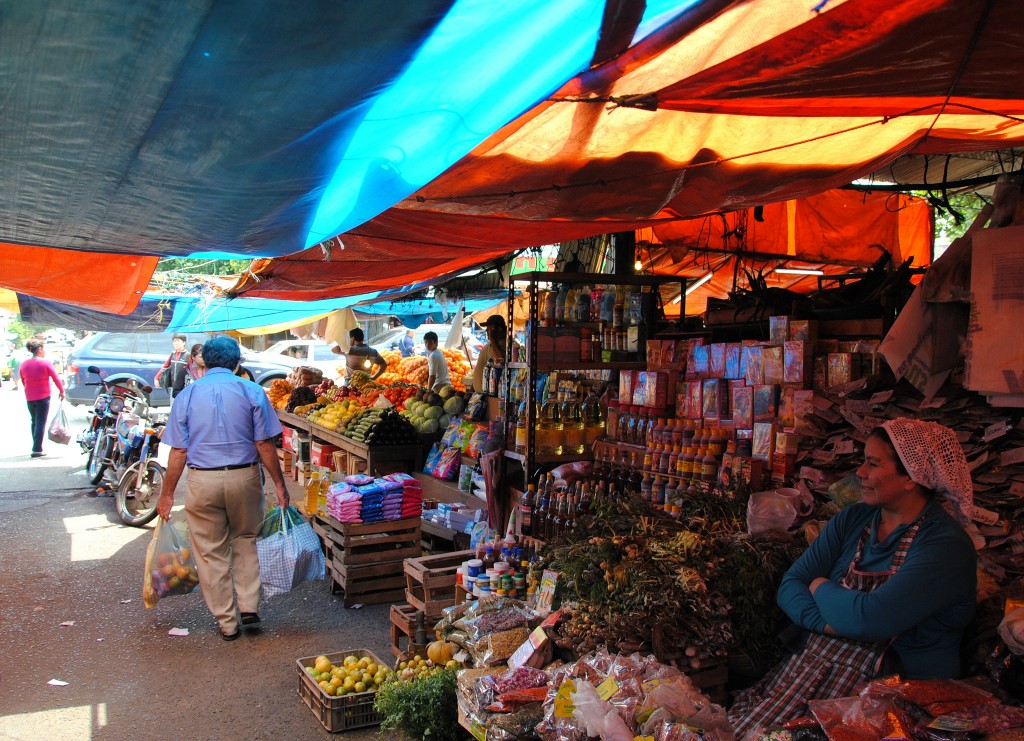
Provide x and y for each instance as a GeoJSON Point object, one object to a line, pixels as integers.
{"type": "Point", "coordinates": [544, 458]}
{"type": "Point", "coordinates": [581, 366]}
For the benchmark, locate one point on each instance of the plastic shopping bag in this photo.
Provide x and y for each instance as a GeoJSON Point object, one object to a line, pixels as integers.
{"type": "Point", "coordinates": [60, 430]}
{"type": "Point", "coordinates": [289, 557]}
{"type": "Point", "coordinates": [274, 521]}
{"type": "Point", "coordinates": [170, 568]}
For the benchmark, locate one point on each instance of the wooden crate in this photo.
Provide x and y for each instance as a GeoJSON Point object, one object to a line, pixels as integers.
{"type": "Point", "coordinates": [430, 581]}
{"type": "Point", "coordinates": [370, 584]}
{"type": "Point", "coordinates": [365, 560]}
{"type": "Point", "coordinates": [388, 540]}
{"type": "Point", "coordinates": [403, 625]}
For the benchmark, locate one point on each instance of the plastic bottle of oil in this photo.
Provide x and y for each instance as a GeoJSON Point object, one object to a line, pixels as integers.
{"type": "Point", "coordinates": [313, 493]}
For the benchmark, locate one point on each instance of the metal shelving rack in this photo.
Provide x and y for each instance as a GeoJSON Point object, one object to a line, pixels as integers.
{"type": "Point", "coordinates": [531, 459]}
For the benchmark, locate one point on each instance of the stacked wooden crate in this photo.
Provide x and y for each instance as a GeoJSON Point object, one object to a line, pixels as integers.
{"type": "Point", "coordinates": [430, 582]}
{"type": "Point", "coordinates": [429, 588]}
{"type": "Point", "coordinates": [365, 560]}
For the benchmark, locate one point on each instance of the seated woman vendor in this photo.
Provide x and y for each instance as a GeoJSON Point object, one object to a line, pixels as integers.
{"type": "Point", "coordinates": [887, 587]}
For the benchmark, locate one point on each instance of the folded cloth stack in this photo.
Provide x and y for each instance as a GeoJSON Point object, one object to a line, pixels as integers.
{"type": "Point", "coordinates": [345, 507]}
{"type": "Point", "coordinates": [373, 503]}
{"type": "Point", "coordinates": [392, 504]}
{"type": "Point", "coordinates": [412, 500]}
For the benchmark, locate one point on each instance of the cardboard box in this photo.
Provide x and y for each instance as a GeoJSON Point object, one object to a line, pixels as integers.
{"type": "Point", "coordinates": [787, 407]}
{"type": "Point", "coordinates": [322, 454]}
{"type": "Point", "coordinates": [655, 353]}
{"type": "Point", "coordinates": [803, 407]}
{"type": "Point", "coordinates": [778, 329]}
{"type": "Point", "coordinates": [820, 381]}
{"type": "Point", "coordinates": [763, 445]}
{"type": "Point", "coordinates": [742, 406]}
{"type": "Point", "coordinates": [635, 337]}
{"type": "Point", "coordinates": [626, 381]}
{"type": "Point", "coordinates": [803, 330]}
{"type": "Point", "coordinates": [713, 396]}
{"type": "Point", "coordinates": [699, 363]}
{"type": "Point", "coordinates": [798, 362]}
{"type": "Point", "coordinates": [752, 362]}
{"type": "Point", "coordinates": [640, 388]}
{"type": "Point", "coordinates": [783, 467]}
{"type": "Point", "coordinates": [733, 351]}
{"type": "Point", "coordinates": [288, 441]}
{"type": "Point", "coordinates": [656, 389]}
{"type": "Point", "coordinates": [774, 366]}
{"type": "Point", "coordinates": [840, 368]}
{"type": "Point", "coordinates": [287, 459]}
{"type": "Point", "coordinates": [765, 402]}
{"type": "Point", "coordinates": [716, 360]}
{"type": "Point", "coordinates": [694, 399]}
{"type": "Point", "coordinates": [787, 443]}
{"type": "Point", "coordinates": [751, 470]}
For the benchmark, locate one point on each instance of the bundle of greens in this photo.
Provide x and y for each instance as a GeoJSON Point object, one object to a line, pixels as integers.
{"type": "Point", "coordinates": [689, 590]}
{"type": "Point", "coordinates": [422, 709]}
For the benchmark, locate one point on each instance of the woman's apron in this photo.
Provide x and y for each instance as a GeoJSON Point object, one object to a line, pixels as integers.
{"type": "Point", "coordinates": [828, 666]}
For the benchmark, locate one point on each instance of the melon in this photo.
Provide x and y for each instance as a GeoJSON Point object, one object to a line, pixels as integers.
{"type": "Point", "coordinates": [454, 405]}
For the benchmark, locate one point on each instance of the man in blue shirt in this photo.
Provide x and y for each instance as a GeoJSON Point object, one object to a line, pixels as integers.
{"type": "Point", "coordinates": [406, 345]}
{"type": "Point", "coordinates": [222, 427]}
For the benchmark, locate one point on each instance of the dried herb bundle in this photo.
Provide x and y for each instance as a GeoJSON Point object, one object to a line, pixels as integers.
{"type": "Point", "coordinates": [688, 590]}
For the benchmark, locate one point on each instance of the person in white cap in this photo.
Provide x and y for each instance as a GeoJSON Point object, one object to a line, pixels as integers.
{"type": "Point", "coordinates": [887, 587]}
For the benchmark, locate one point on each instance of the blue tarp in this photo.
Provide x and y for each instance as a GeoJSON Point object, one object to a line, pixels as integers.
{"type": "Point", "coordinates": [193, 314]}
{"type": "Point", "coordinates": [427, 311]}
{"type": "Point", "coordinates": [261, 127]}
{"type": "Point", "coordinates": [182, 313]}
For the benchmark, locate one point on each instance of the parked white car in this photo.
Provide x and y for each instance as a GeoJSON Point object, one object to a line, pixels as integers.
{"type": "Point", "coordinates": [312, 353]}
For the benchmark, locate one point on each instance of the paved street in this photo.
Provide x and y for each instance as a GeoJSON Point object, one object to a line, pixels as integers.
{"type": "Point", "coordinates": [64, 556]}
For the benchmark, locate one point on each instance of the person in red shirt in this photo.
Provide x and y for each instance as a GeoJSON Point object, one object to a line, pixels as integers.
{"type": "Point", "coordinates": [36, 374]}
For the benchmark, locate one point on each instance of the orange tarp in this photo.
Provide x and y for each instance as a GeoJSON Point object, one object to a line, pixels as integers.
{"type": "Point", "coordinates": [101, 281]}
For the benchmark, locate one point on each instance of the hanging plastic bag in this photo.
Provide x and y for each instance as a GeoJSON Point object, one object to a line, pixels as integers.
{"type": "Point", "coordinates": [170, 568]}
{"type": "Point", "coordinates": [289, 557]}
{"type": "Point", "coordinates": [60, 430]}
{"type": "Point", "coordinates": [768, 511]}
{"type": "Point", "coordinates": [273, 522]}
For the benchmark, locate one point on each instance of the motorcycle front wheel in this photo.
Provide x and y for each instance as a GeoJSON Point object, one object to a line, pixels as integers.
{"type": "Point", "coordinates": [95, 466]}
{"type": "Point", "coordinates": [136, 501]}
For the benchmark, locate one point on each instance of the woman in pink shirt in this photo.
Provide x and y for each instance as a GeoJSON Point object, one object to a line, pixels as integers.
{"type": "Point", "coordinates": [36, 374]}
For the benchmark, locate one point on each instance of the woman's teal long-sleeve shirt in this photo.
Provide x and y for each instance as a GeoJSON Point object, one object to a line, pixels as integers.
{"type": "Point", "coordinates": [925, 605]}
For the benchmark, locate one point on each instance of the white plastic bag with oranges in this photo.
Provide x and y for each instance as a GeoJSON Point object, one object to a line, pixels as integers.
{"type": "Point", "coordinates": [170, 569]}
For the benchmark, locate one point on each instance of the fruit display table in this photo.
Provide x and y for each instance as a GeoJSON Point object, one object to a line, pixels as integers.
{"type": "Point", "coordinates": [376, 459]}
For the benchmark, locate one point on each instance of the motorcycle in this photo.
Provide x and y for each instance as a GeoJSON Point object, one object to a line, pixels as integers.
{"type": "Point", "coordinates": [126, 440]}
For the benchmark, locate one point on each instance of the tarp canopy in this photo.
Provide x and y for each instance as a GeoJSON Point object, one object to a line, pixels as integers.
{"type": "Point", "coordinates": [414, 312]}
{"type": "Point", "coordinates": [187, 314]}
{"type": "Point", "coordinates": [729, 106]}
{"type": "Point", "coordinates": [262, 128]}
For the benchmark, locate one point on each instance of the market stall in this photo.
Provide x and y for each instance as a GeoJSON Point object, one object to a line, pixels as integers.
{"type": "Point", "coordinates": [644, 489]}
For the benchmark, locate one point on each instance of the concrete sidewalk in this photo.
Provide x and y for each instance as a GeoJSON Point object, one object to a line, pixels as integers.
{"type": "Point", "coordinates": [66, 557]}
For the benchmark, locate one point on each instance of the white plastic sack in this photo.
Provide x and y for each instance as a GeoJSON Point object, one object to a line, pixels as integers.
{"type": "Point", "coordinates": [777, 509]}
{"type": "Point", "coordinates": [289, 557]}
{"type": "Point", "coordinates": [1011, 630]}
{"type": "Point", "coordinates": [60, 430]}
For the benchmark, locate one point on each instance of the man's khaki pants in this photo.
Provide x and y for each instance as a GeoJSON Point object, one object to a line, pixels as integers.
{"type": "Point", "coordinates": [224, 510]}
